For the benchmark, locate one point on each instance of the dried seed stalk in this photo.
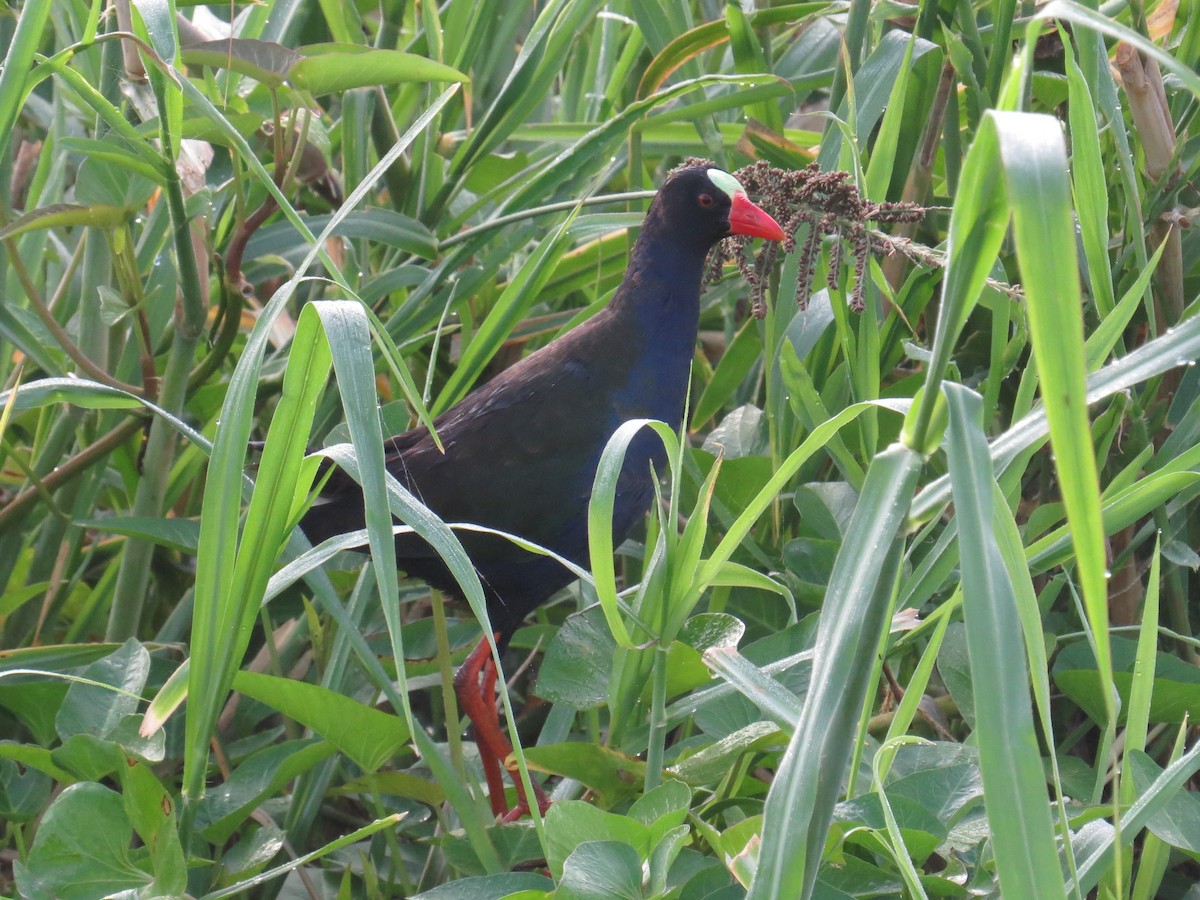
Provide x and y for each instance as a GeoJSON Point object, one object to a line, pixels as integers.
{"type": "Point", "coordinates": [832, 207]}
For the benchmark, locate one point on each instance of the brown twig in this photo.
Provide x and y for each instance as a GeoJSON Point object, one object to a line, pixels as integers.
{"type": "Point", "coordinates": [73, 467]}
{"type": "Point", "coordinates": [42, 311]}
{"type": "Point", "coordinates": [237, 247]}
{"type": "Point", "coordinates": [1148, 107]}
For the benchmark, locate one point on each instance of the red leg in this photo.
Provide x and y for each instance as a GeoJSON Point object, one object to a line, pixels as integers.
{"type": "Point", "coordinates": [475, 685]}
{"type": "Point", "coordinates": [480, 708]}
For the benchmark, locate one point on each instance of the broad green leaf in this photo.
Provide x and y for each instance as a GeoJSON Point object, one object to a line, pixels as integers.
{"type": "Point", "coordinates": [571, 823]}
{"type": "Point", "coordinates": [489, 887]}
{"type": "Point", "coordinates": [578, 662]}
{"type": "Point", "coordinates": [369, 737]}
{"type": "Point", "coordinates": [1176, 691]}
{"type": "Point", "coordinates": [82, 849]}
{"type": "Point", "coordinates": [1178, 822]}
{"type": "Point", "coordinates": [601, 870]}
{"type": "Point", "coordinates": [96, 711]}
{"type": "Point", "coordinates": [606, 771]}
{"type": "Point", "coordinates": [23, 790]}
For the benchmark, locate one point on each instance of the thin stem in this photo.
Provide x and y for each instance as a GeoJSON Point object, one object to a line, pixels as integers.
{"type": "Point", "coordinates": [190, 314]}
{"type": "Point", "coordinates": [449, 698]}
{"type": "Point", "coordinates": [656, 746]}
{"type": "Point", "coordinates": [68, 346]}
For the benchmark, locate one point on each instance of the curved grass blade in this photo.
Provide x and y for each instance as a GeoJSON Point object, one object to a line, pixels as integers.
{"type": "Point", "coordinates": [600, 513]}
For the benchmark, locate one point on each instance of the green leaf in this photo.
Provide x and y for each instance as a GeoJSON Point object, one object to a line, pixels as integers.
{"type": "Point", "coordinates": [1169, 351]}
{"type": "Point", "coordinates": [177, 534]}
{"type": "Point", "coordinates": [854, 617]}
{"type": "Point", "coordinates": [159, 19]}
{"type": "Point", "coordinates": [737, 360]}
{"type": "Point", "coordinates": [749, 59]}
{"type": "Point", "coordinates": [397, 784]}
{"type": "Point", "coordinates": [704, 37]}
{"type": "Point", "coordinates": [954, 666]}
{"type": "Point", "coordinates": [147, 803]}
{"type": "Point", "coordinates": [1018, 813]}
{"type": "Point", "coordinates": [942, 777]}
{"type": "Point", "coordinates": [88, 758]}
{"type": "Point", "coordinates": [332, 68]}
{"type": "Point", "coordinates": [488, 887]}
{"type": "Point", "coordinates": [663, 807]}
{"type": "Point", "coordinates": [267, 62]}
{"type": "Point", "coordinates": [1176, 691]}
{"type": "Point", "coordinates": [775, 701]}
{"type": "Point", "coordinates": [82, 849]}
{"type": "Point", "coordinates": [113, 173]}
{"type": "Point", "coordinates": [510, 308]}
{"type": "Point", "coordinates": [23, 794]}
{"type": "Point", "coordinates": [570, 823]}
{"type": "Point", "coordinates": [1035, 165]}
{"type": "Point", "coordinates": [65, 215]}
{"type": "Point", "coordinates": [921, 830]}
{"type": "Point", "coordinates": [383, 226]}
{"type": "Point", "coordinates": [226, 806]}
{"type": "Point", "coordinates": [38, 758]}
{"type": "Point", "coordinates": [96, 710]}
{"type": "Point", "coordinates": [24, 41]}
{"type": "Point", "coordinates": [601, 870]}
{"type": "Point", "coordinates": [1096, 857]}
{"type": "Point", "coordinates": [1178, 821]}
{"type": "Point", "coordinates": [606, 771]}
{"type": "Point", "coordinates": [578, 663]}
{"type": "Point", "coordinates": [717, 759]}
{"type": "Point", "coordinates": [369, 737]}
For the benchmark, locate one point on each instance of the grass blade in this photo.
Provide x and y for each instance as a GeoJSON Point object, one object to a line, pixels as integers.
{"type": "Point", "coordinates": [1014, 786]}
{"type": "Point", "coordinates": [800, 805]}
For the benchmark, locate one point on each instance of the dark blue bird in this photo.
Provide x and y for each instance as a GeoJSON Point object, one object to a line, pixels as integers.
{"type": "Point", "coordinates": [521, 451]}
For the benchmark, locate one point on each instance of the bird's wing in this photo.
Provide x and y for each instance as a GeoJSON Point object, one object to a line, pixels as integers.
{"type": "Point", "coordinates": [520, 453]}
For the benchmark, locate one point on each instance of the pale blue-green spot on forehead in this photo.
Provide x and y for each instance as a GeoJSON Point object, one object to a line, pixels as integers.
{"type": "Point", "coordinates": [726, 182]}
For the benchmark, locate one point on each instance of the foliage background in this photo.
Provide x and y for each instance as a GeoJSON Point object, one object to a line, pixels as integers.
{"type": "Point", "coordinates": [927, 628]}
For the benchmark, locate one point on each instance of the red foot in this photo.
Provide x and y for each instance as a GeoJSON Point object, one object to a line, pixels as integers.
{"type": "Point", "coordinates": [522, 808]}
{"type": "Point", "coordinates": [475, 685]}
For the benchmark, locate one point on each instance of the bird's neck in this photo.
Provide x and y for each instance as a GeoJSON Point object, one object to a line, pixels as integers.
{"type": "Point", "coordinates": [657, 311]}
{"type": "Point", "coordinates": [661, 289]}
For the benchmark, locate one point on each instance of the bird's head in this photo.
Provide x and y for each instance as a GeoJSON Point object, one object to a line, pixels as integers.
{"type": "Point", "coordinates": [709, 204]}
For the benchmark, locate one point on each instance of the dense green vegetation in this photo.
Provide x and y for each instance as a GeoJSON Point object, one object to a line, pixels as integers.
{"type": "Point", "coordinates": [915, 617]}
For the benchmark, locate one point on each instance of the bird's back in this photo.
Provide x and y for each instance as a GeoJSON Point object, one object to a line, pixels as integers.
{"type": "Point", "coordinates": [520, 457]}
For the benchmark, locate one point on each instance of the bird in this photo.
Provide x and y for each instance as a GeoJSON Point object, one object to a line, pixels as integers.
{"type": "Point", "coordinates": [520, 452]}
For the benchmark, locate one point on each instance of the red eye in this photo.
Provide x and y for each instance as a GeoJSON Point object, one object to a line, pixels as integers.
{"type": "Point", "coordinates": [706, 200]}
